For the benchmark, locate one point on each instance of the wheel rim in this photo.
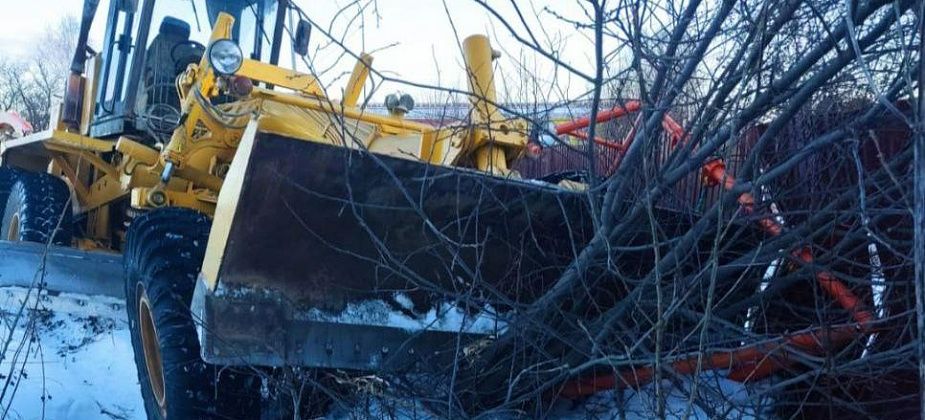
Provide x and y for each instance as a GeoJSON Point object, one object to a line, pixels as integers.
{"type": "Point", "coordinates": [152, 350]}
{"type": "Point", "coordinates": [13, 233]}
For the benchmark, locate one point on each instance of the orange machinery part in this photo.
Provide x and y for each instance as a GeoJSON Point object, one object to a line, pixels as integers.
{"type": "Point", "coordinates": [747, 363]}
{"type": "Point", "coordinates": [576, 126]}
{"type": "Point", "coordinates": [715, 173]}
{"type": "Point", "coordinates": [598, 140]}
{"type": "Point", "coordinates": [603, 116]}
{"type": "Point", "coordinates": [755, 361]}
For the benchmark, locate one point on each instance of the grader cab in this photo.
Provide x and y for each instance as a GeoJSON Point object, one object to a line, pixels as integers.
{"type": "Point", "coordinates": [301, 230]}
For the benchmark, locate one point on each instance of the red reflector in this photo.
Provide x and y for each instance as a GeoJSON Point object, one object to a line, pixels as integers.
{"type": "Point", "coordinates": [241, 86]}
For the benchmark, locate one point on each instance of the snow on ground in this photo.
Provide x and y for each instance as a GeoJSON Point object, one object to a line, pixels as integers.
{"type": "Point", "coordinates": [76, 363]}
{"type": "Point", "coordinates": [718, 398]}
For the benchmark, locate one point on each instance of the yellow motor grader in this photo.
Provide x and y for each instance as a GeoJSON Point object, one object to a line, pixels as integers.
{"type": "Point", "coordinates": [265, 224]}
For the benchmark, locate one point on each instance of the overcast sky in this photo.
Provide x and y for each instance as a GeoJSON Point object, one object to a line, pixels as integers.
{"type": "Point", "coordinates": [425, 52]}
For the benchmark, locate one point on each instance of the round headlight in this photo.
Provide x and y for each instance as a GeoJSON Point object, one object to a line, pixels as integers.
{"type": "Point", "coordinates": [225, 56]}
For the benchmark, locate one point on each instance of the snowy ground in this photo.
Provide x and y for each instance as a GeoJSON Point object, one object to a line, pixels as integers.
{"type": "Point", "coordinates": [69, 357]}
{"type": "Point", "coordinates": [718, 398]}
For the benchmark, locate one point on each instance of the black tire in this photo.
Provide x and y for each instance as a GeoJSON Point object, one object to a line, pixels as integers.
{"type": "Point", "coordinates": [163, 255]}
{"type": "Point", "coordinates": [7, 178]}
{"type": "Point", "coordinates": [37, 209]}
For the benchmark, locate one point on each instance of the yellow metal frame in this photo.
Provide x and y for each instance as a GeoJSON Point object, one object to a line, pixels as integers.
{"type": "Point", "coordinates": [357, 80]}
{"type": "Point", "coordinates": [277, 76]}
{"type": "Point", "coordinates": [59, 138]}
{"type": "Point", "coordinates": [190, 170]}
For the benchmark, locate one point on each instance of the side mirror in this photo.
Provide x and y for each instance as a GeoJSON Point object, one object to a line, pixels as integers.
{"type": "Point", "coordinates": [303, 34]}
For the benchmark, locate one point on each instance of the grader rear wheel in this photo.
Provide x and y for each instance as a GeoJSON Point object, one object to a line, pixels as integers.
{"type": "Point", "coordinates": [163, 255]}
{"type": "Point", "coordinates": [36, 208]}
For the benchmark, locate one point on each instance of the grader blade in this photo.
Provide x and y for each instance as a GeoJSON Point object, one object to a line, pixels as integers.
{"type": "Point", "coordinates": [324, 256]}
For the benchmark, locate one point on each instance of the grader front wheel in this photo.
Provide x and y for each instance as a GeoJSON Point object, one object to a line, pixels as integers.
{"type": "Point", "coordinates": [163, 255]}
{"type": "Point", "coordinates": [7, 179]}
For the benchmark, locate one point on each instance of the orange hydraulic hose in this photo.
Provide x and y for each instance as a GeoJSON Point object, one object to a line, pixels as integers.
{"type": "Point", "coordinates": [715, 172]}
{"type": "Point", "coordinates": [603, 116]}
{"type": "Point", "coordinates": [841, 293]}
{"type": "Point", "coordinates": [601, 141]}
{"type": "Point", "coordinates": [574, 128]}
{"type": "Point", "coordinates": [673, 128]}
{"type": "Point", "coordinates": [747, 363]}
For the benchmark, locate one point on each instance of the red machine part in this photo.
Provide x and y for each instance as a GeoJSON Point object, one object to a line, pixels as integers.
{"type": "Point", "coordinates": [12, 123]}
{"type": "Point", "coordinates": [750, 362]}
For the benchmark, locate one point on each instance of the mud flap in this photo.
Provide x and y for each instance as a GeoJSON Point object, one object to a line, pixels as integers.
{"type": "Point", "coordinates": [327, 256]}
